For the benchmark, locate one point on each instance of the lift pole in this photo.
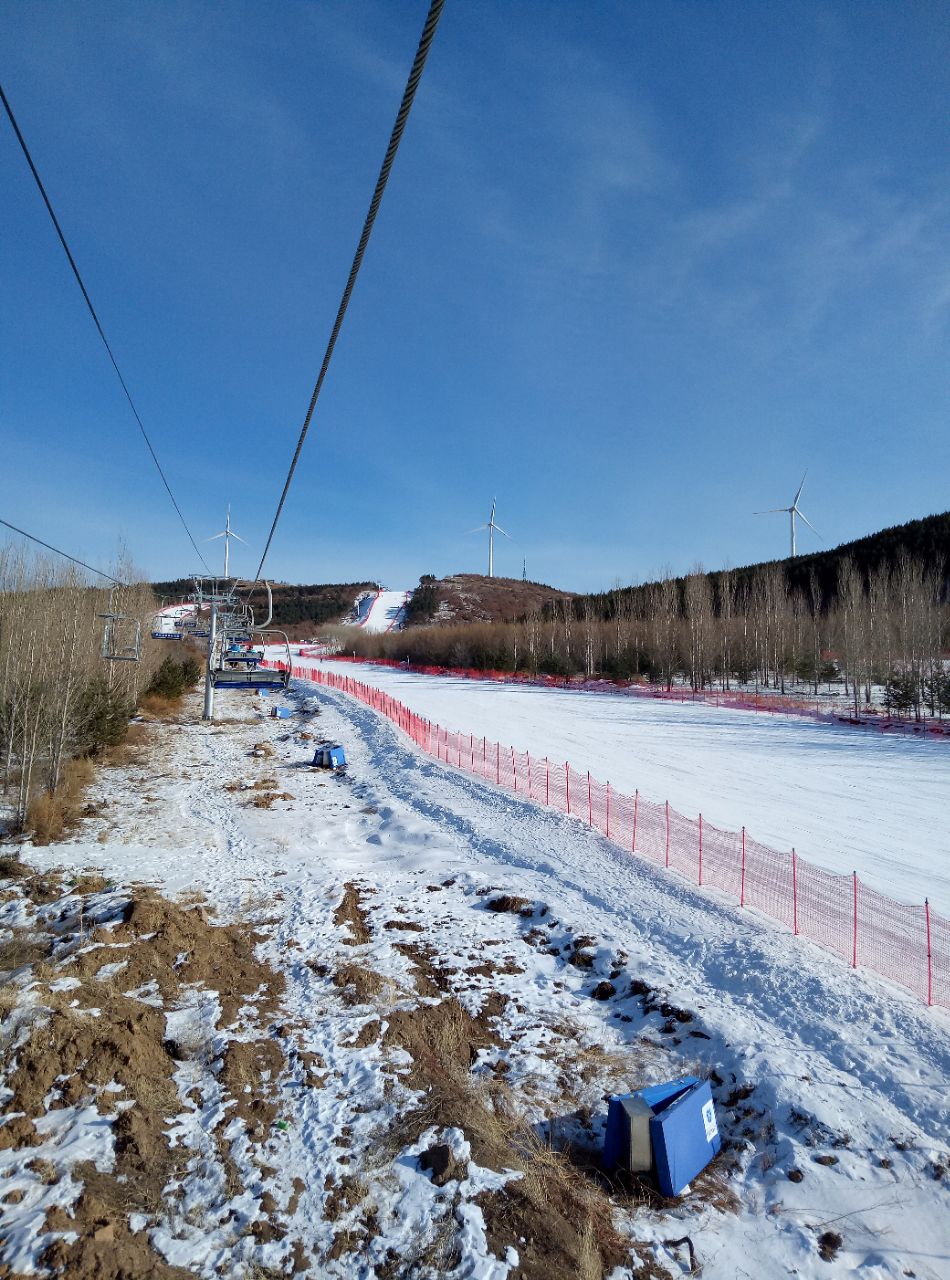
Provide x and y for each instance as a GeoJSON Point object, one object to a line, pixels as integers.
{"type": "Point", "coordinates": [209, 687]}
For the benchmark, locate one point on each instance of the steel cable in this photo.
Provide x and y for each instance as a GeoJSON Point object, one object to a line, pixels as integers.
{"type": "Point", "coordinates": [425, 42]}
{"type": "Point", "coordinates": [23, 533]}
{"type": "Point", "coordinates": [95, 318]}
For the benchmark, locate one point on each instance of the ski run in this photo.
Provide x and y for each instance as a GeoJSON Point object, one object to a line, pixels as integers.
{"type": "Point", "coordinates": [847, 800]}
{"type": "Point", "coordinates": [390, 994]}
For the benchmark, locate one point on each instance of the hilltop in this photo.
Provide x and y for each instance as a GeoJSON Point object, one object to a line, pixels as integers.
{"type": "Point", "coordinates": [474, 597]}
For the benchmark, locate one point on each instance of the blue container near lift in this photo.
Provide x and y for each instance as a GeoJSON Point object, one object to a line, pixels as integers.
{"type": "Point", "coordinates": [329, 756]}
{"type": "Point", "coordinates": [667, 1129]}
{"type": "Point", "coordinates": [281, 713]}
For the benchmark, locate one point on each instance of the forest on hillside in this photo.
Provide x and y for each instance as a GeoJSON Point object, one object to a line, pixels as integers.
{"type": "Point", "coordinates": [888, 627]}
{"type": "Point", "coordinates": [926, 542]}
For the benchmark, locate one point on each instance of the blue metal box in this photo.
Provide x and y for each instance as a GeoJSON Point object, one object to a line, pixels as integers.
{"type": "Point", "coordinates": [281, 713]}
{"type": "Point", "coordinates": [670, 1128]}
{"type": "Point", "coordinates": [329, 756]}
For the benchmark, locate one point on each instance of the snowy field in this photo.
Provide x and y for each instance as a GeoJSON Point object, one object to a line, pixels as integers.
{"type": "Point", "coordinates": [830, 1085]}
{"type": "Point", "coordinates": [846, 799]}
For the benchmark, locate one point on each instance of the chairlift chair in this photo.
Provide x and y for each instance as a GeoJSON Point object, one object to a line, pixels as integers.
{"type": "Point", "coordinates": [247, 676]}
{"type": "Point", "coordinates": [121, 643]}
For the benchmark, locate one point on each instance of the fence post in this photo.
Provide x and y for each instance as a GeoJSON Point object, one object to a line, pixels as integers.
{"type": "Point", "coordinates": [471, 743]}
{"type": "Point", "coordinates": [498, 763]}
{"type": "Point", "coordinates": [636, 805]}
{"type": "Point", "coordinates": [930, 965]}
{"type": "Point", "coordinates": [567, 782]}
{"type": "Point", "coordinates": [529, 775]}
{"type": "Point", "coordinates": [608, 811]}
{"type": "Point", "coordinates": [700, 848]}
{"type": "Point", "coordinates": [794, 892]}
{"type": "Point", "coordinates": [667, 833]}
{"type": "Point", "coordinates": [514, 768]}
{"type": "Point", "coordinates": [590, 803]}
{"type": "Point", "coordinates": [484, 757]}
{"type": "Point", "coordinates": [742, 881]}
{"type": "Point", "coordinates": [854, 939]}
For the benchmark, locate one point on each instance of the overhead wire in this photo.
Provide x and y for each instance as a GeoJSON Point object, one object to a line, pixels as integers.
{"type": "Point", "coordinates": [95, 318]}
{"type": "Point", "coordinates": [65, 554]}
{"type": "Point", "coordinates": [425, 42]}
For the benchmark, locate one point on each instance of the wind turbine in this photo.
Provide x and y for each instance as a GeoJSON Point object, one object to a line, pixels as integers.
{"type": "Point", "coordinates": [227, 533]}
{"type": "Point", "coordinates": [491, 527]}
{"type": "Point", "coordinates": [793, 511]}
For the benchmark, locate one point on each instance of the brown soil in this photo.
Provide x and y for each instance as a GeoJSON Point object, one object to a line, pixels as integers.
{"type": "Point", "coordinates": [247, 1067]}
{"type": "Point", "coordinates": [350, 912]}
{"type": "Point", "coordinates": [71, 1052]}
{"type": "Point", "coordinates": [357, 985]}
{"type": "Point", "coordinates": [510, 903]}
{"type": "Point", "coordinates": [220, 957]}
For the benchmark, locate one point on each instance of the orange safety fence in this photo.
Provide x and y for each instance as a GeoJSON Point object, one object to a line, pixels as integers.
{"type": "Point", "coordinates": [907, 944]}
{"type": "Point", "coordinates": [870, 717]}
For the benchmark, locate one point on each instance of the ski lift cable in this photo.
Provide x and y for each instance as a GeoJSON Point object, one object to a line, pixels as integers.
{"type": "Point", "coordinates": [425, 42]}
{"type": "Point", "coordinates": [66, 556]}
{"type": "Point", "coordinates": [92, 312]}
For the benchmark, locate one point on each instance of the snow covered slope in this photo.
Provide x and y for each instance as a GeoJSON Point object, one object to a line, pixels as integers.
{"type": "Point", "coordinates": [830, 1088]}
{"type": "Point", "coordinates": [844, 799]}
{"type": "Point", "coordinates": [384, 611]}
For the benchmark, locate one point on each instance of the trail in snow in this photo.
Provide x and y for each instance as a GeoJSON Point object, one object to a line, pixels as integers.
{"type": "Point", "coordinates": [843, 799]}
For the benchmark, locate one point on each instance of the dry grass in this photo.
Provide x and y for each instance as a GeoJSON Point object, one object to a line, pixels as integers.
{"type": "Point", "coordinates": [11, 868]}
{"type": "Point", "coordinates": [266, 799]}
{"type": "Point", "coordinates": [565, 1215]}
{"type": "Point", "coordinates": [155, 707]}
{"type": "Point", "coordinates": [24, 947]}
{"type": "Point", "coordinates": [132, 748]}
{"type": "Point", "coordinates": [52, 814]}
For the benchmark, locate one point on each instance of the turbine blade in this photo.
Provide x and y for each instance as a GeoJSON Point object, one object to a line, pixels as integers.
{"type": "Point", "coordinates": [810, 525]}
{"type": "Point", "coordinates": [800, 488]}
{"type": "Point", "coordinates": [772, 511]}
{"type": "Point", "coordinates": [214, 537]}
{"type": "Point", "coordinates": [480, 529]}
{"type": "Point", "coordinates": [501, 530]}
{"type": "Point", "coordinates": [239, 538]}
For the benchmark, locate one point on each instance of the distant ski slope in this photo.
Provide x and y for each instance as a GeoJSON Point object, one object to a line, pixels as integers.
{"type": "Point", "coordinates": [385, 611]}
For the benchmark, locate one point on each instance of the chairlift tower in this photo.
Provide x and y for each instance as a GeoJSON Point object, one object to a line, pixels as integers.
{"type": "Point", "coordinates": [232, 620]}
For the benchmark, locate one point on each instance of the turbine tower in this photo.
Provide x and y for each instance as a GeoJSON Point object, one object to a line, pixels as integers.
{"type": "Point", "coordinates": [227, 533]}
{"type": "Point", "coordinates": [491, 527]}
{"type": "Point", "coordinates": [792, 512]}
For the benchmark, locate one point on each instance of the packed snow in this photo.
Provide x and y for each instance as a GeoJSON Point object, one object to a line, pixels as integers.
{"type": "Point", "coordinates": [844, 798]}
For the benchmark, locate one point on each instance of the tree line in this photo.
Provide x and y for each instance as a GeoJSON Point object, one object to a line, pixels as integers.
{"type": "Point", "coordinates": [882, 633]}
{"type": "Point", "coordinates": [60, 698]}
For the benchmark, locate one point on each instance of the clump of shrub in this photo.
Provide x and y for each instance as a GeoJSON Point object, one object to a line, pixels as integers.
{"type": "Point", "coordinates": [101, 718]}
{"type": "Point", "coordinates": [172, 679]}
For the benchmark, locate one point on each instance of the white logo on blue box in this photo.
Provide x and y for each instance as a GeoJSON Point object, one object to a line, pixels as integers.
{"type": "Point", "coordinates": [709, 1120]}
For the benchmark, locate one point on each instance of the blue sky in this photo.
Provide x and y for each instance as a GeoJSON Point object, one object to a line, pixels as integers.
{"type": "Point", "coordinates": [638, 266]}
